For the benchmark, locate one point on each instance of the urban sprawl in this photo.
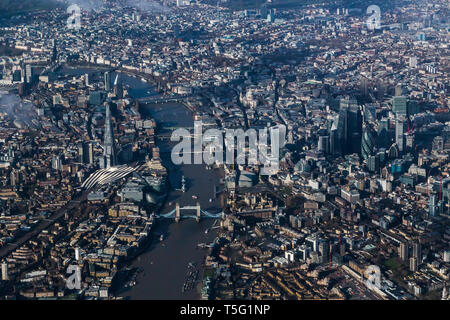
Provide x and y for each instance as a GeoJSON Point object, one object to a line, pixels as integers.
{"type": "Point", "coordinates": [357, 209]}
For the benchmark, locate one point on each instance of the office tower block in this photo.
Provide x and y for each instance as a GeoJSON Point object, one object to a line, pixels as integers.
{"type": "Point", "coordinates": [303, 252]}
{"type": "Point", "coordinates": [379, 89]}
{"type": "Point", "coordinates": [56, 163]}
{"type": "Point", "coordinates": [409, 141]}
{"type": "Point", "coordinates": [383, 134]}
{"type": "Point", "coordinates": [341, 126]}
{"type": "Point", "coordinates": [264, 11]}
{"type": "Point", "coordinates": [324, 144]}
{"type": "Point", "coordinates": [381, 154]}
{"type": "Point", "coordinates": [394, 151]}
{"type": "Point", "coordinates": [271, 16]}
{"type": "Point", "coordinates": [54, 49]}
{"type": "Point", "coordinates": [107, 81]}
{"type": "Point", "coordinates": [447, 255]}
{"type": "Point", "coordinates": [398, 90]}
{"type": "Point", "coordinates": [118, 88]}
{"type": "Point", "coordinates": [403, 251]}
{"type": "Point", "coordinates": [364, 86]}
{"type": "Point", "coordinates": [312, 242]}
{"type": "Point", "coordinates": [29, 74]}
{"type": "Point", "coordinates": [373, 163]}
{"type": "Point", "coordinates": [80, 152]}
{"type": "Point", "coordinates": [349, 126]}
{"type": "Point", "coordinates": [324, 250]}
{"type": "Point", "coordinates": [347, 103]}
{"type": "Point", "coordinates": [86, 152]}
{"type": "Point", "coordinates": [413, 107]}
{"type": "Point", "coordinates": [89, 152]}
{"type": "Point", "coordinates": [400, 105]}
{"type": "Point", "coordinates": [400, 133]}
{"type": "Point", "coordinates": [13, 178]}
{"type": "Point", "coordinates": [17, 75]}
{"type": "Point", "coordinates": [334, 142]}
{"type": "Point", "coordinates": [354, 131]}
{"type": "Point", "coordinates": [77, 254]}
{"type": "Point", "coordinates": [368, 142]}
{"type": "Point", "coordinates": [413, 264]}
{"type": "Point", "coordinates": [342, 123]}
{"type": "Point", "coordinates": [126, 153]}
{"type": "Point", "coordinates": [155, 153]}
{"type": "Point", "coordinates": [5, 276]}
{"type": "Point", "coordinates": [370, 113]}
{"type": "Point", "coordinates": [432, 205]}
{"type": "Point", "coordinates": [417, 252]}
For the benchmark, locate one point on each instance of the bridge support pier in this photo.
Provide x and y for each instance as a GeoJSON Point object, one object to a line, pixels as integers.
{"type": "Point", "coordinates": [198, 212]}
{"type": "Point", "coordinates": [177, 213]}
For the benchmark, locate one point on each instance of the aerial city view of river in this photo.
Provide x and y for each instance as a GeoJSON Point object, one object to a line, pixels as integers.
{"type": "Point", "coordinates": [174, 251]}
{"type": "Point", "coordinates": [167, 262]}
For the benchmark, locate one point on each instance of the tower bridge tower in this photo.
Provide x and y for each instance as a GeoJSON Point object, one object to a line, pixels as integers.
{"type": "Point", "coordinates": [177, 213]}
{"type": "Point", "coordinates": [198, 212]}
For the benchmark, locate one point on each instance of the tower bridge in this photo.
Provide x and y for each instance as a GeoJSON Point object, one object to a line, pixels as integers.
{"type": "Point", "coordinates": [176, 213]}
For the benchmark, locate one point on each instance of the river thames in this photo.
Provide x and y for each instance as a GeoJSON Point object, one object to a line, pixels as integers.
{"type": "Point", "coordinates": [165, 263]}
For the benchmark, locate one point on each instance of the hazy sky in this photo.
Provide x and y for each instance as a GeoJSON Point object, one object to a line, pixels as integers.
{"type": "Point", "coordinates": [143, 5]}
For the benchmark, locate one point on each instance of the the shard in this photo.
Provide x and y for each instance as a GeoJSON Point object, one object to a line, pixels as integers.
{"type": "Point", "coordinates": [109, 149]}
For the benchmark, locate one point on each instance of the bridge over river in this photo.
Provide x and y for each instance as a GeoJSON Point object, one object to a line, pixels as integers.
{"type": "Point", "coordinates": [164, 99]}
{"type": "Point", "coordinates": [176, 213]}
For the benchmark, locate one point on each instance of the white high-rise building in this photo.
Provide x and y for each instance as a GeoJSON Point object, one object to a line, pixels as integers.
{"type": "Point", "coordinates": [399, 133]}
{"type": "Point", "coordinates": [447, 256]}
{"type": "Point", "coordinates": [445, 295]}
{"type": "Point", "coordinates": [413, 62]}
{"type": "Point", "coordinates": [5, 271]}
